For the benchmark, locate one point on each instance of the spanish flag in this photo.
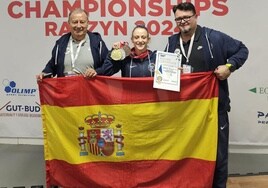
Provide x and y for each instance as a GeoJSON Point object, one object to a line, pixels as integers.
{"type": "Point", "coordinates": [122, 133]}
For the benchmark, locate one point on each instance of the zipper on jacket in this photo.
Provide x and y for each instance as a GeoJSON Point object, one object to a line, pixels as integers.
{"type": "Point", "coordinates": [100, 50]}
{"type": "Point", "coordinates": [56, 56]}
{"type": "Point", "coordinates": [209, 45]}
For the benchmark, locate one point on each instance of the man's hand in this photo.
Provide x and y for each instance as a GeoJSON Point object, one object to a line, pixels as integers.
{"type": "Point", "coordinates": [222, 72]}
{"type": "Point", "coordinates": [39, 77]}
{"type": "Point", "coordinates": [90, 73]}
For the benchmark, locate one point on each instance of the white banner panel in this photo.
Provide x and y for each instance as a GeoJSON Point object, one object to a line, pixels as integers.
{"type": "Point", "coordinates": [30, 28]}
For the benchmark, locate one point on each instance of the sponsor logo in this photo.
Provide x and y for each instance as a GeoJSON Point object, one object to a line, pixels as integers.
{"type": "Point", "coordinates": [222, 127]}
{"type": "Point", "coordinates": [259, 90]}
{"type": "Point", "coordinates": [11, 89]}
{"type": "Point", "coordinates": [18, 110]}
{"type": "Point", "coordinates": [262, 118]}
{"type": "Point", "coordinates": [199, 47]}
{"type": "Point", "coordinates": [263, 91]}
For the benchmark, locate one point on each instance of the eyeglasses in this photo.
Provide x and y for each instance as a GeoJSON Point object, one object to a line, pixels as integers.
{"type": "Point", "coordinates": [185, 19]}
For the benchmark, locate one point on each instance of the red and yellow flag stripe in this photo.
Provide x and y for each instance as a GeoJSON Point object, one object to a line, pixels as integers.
{"type": "Point", "coordinates": [166, 137]}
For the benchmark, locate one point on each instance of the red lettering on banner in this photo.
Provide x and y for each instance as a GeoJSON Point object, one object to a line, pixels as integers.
{"type": "Point", "coordinates": [116, 8]}
{"type": "Point", "coordinates": [91, 6]}
{"type": "Point", "coordinates": [113, 28]}
{"type": "Point", "coordinates": [202, 5]}
{"type": "Point", "coordinates": [11, 8]}
{"type": "Point", "coordinates": [155, 28]}
{"type": "Point", "coordinates": [141, 9]}
{"type": "Point", "coordinates": [67, 7]}
{"type": "Point", "coordinates": [122, 6]}
{"type": "Point", "coordinates": [169, 7]}
{"type": "Point", "coordinates": [220, 6]}
{"type": "Point", "coordinates": [92, 25]}
{"type": "Point", "coordinates": [51, 29]}
{"type": "Point", "coordinates": [52, 10]}
{"type": "Point", "coordinates": [29, 9]}
{"type": "Point", "coordinates": [105, 27]}
{"type": "Point", "coordinates": [103, 5]}
{"type": "Point", "coordinates": [155, 5]}
{"type": "Point", "coordinates": [157, 15]}
{"type": "Point", "coordinates": [64, 28]}
{"type": "Point", "coordinates": [122, 28]}
{"type": "Point", "coordinates": [169, 28]}
{"type": "Point", "coordinates": [118, 29]}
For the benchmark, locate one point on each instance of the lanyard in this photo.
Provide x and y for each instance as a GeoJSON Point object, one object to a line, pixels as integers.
{"type": "Point", "coordinates": [189, 50]}
{"type": "Point", "coordinates": [74, 58]}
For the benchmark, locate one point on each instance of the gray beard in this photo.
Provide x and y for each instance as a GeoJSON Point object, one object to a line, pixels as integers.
{"type": "Point", "coordinates": [186, 31]}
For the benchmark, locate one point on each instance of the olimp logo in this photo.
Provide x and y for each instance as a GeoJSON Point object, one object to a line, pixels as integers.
{"type": "Point", "coordinates": [260, 90]}
{"type": "Point", "coordinates": [11, 89]}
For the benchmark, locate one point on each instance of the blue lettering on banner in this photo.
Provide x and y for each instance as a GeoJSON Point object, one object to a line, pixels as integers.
{"type": "Point", "coordinates": [11, 89]}
{"type": "Point", "coordinates": [262, 118]}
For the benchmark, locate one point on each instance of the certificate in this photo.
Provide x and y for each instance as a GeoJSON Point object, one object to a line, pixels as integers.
{"type": "Point", "coordinates": [167, 73]}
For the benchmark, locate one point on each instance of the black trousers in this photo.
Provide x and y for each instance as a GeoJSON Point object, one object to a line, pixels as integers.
{"type": "Point", "coordinates": [221, 170]}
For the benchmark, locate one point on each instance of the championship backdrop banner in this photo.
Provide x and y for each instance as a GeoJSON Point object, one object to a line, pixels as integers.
{"type": "Point", "coordinates": [31, 27]}
{"type": "Point", "coordinates": [120, 132]}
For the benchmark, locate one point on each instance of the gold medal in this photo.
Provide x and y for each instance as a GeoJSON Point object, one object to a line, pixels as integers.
{"type": "Point", "coordinates": [116, 54]}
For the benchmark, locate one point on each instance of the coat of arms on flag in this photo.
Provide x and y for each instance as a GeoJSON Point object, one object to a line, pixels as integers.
{"type": "Point", "coordinates": [101, 136]}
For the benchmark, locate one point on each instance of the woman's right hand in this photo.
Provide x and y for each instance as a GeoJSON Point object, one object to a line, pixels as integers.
{"type": "Point", "coordinates": [116, 45]}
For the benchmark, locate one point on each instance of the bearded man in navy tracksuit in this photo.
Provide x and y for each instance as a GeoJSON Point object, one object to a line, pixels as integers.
{"type": "Point", "coordinates": [204, 49]}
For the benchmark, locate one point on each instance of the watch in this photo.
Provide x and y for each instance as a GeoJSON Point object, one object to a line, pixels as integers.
{"type": "Point", "coordinates": [230, 66]}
